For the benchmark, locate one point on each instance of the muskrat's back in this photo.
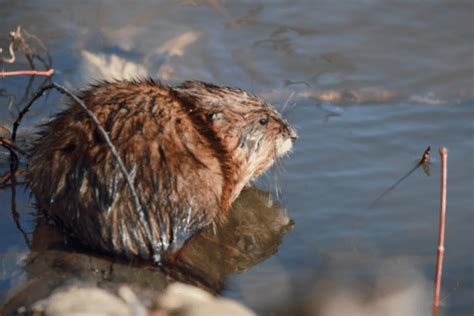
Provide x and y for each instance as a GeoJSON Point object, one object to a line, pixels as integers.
{"type": "Point", "coordinates": [189, 150]}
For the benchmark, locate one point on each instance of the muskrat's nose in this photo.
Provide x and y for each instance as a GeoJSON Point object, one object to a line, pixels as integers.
{"type": "Point", "coordinates": [293, 135]}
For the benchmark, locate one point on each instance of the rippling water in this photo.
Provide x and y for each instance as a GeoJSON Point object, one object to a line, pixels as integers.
{"type": "Point", "coordinates": [368, 84]}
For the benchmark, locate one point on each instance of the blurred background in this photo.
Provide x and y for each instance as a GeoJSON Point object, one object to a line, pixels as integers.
{"type": "Point", "coordinates": [368, 84]}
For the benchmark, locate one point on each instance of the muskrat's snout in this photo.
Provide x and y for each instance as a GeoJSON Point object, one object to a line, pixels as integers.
{"type": "Point", "coordinates": [284, 142]}
{"type": "Point", "coordinates": [289, 132]}
{"type": "Point", "coordinates": [293, 134]}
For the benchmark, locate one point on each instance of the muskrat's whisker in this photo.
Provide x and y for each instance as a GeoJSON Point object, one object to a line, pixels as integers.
{"type": "Point", "coordinates": [275, 177]}
{"type": "Point", "coordinates": [277, 184]}
{"type": "Point", "coordinates": [280, 165]}
{"type": "Point", "coordinates": [285, 105]}
{"type": "Point", "coordinates": [291, 107]}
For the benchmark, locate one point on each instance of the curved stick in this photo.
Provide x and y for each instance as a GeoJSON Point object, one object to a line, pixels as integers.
{"type": "Point", "coordinates": [25, 110]}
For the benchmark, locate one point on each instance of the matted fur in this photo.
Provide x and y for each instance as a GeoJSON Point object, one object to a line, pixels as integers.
{"type": "Point", "coordinates": [189, 149]}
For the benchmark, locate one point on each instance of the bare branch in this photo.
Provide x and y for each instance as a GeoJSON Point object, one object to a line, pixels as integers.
{"type": "Point", "coordinates": [25, 110]}
{"type": "Point", "coordinates": [47, 73]}
{"type": "Point", "coordinates": [30, 46]}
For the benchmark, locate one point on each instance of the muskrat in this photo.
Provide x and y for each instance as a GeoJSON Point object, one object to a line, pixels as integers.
{"type": "Point", "coordinates": [189, 149]}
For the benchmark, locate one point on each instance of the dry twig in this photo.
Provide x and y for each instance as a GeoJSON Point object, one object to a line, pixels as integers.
{"type": "Point", "coordinates": [25, 110]}
{"type": "Point", "coordinates": [32, 48]}
{"type": "Point", "coordinates": [13, 149]}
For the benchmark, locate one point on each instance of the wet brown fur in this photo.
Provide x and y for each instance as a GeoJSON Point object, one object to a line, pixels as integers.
{"type": "Point", "coordinates": [189, 150]}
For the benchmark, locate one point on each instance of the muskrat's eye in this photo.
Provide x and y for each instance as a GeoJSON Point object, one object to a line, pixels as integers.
{"type": "Point", "coordinates": [263, 120]}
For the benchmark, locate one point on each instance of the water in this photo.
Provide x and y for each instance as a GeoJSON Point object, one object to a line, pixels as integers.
{"type": "Point", "coordinates": [372, 84]}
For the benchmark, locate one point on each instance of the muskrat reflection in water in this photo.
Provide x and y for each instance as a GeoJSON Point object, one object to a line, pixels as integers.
{"type": "Point", "coordinates": [190, 150]}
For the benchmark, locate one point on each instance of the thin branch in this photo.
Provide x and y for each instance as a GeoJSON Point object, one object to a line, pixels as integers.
{"type": "Point", "coordinates": [25, 110]}
{"type": "Point", "coordinates": [47, 73]}
{"type": "Point", "coordinates": [47, 64]}
{"type": "Point", "coordinates": [15, 214]}
{"type": "Point", "coordinates": [442, 223]}
{"type": "Point", "coordinates": [18, 42]}
{"type": "Point", "coordinates": [5, 178]}
{"type": "Point", "coordinates": [13, 168]}
{"type": "Point", "coordinates": [30, 46]}
{"type": "Point", "coordinates": [28, 89]}
{"type": "Point", "coordinates": [11, 146]}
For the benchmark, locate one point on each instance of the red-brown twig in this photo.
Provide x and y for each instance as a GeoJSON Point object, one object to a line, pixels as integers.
{"type": "Point", "coordinates": [47, 73]}
{"type": "Point", "coordinates": [442, 222]}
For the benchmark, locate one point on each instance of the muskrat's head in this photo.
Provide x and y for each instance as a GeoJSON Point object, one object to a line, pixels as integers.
{"type": "Point", "coordinates": [251, 130]}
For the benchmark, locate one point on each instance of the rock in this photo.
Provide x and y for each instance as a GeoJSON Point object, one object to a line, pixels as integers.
{"type": "Point", "coordinates": [186, 300]}
{"type": "Point", "coordinates": [178, 299]}
{"type": "Point", "coordinates": [79, 300]}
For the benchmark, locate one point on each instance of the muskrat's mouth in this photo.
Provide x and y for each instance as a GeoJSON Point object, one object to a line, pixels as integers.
{"type": "Point", "coordinates": [283, 146]}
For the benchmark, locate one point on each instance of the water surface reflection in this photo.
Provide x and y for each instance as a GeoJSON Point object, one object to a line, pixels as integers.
{"type": "Point", "coordinates": [372, 84]}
